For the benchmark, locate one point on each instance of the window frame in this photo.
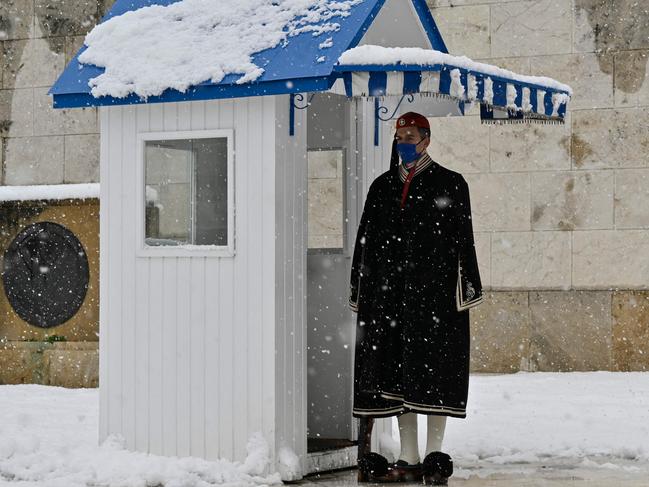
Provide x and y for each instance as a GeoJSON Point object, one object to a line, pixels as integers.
{"type": "Point", "coordinates": [183, 250]}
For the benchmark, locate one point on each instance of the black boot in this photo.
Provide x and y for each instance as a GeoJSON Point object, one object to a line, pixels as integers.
{"type": "Point", "coordinates": [437, 468]}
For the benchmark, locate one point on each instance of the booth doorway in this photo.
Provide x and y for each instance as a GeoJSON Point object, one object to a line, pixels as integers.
{"type": "Point", "coordinates": [331, 161]}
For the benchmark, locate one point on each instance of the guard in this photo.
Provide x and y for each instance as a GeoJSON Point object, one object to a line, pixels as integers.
{"type": "Point", "coordinates": [414, 277]}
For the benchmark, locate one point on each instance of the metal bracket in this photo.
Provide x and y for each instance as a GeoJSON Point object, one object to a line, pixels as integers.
{"type": "Point", "coordinates": [381, 109]}
{"type": "Point", "coordinates": [293, 106]}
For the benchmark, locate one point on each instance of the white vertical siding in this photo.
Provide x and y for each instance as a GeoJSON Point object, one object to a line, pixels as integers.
{"type": "Point", "coordinates": [290, 258]}
{"type": "Point", "coordinates": [187, 344]}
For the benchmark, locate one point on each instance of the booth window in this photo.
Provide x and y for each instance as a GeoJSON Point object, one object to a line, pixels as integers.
{"type": "Point", "coordinates": [186, 192]}
{"type": "Point", "coordinates": [325, 195]}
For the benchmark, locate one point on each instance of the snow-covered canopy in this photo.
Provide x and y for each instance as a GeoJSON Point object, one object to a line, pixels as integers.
{"type": "Point", "coordinates": [147, 51]}
{"type": "Point", "coordinates": [379, 55]}
{"type": "Point", "coordinates": [153, 48]}
{"type": "Point", "coordinates": [371, 70]}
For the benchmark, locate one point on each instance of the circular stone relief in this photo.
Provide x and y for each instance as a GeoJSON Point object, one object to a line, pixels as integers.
{"type": "Point", "coordinates": [45, 274]}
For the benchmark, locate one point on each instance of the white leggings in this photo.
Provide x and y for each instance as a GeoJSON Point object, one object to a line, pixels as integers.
{"type": "Point", "coordinates": [408, 435]}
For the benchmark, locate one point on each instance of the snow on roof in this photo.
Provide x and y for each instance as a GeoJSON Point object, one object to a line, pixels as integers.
{"type": "Point", "coordinates": [379, 55]}
{"type": "Point", "coordinates": [148, 50]}
{"type": "Point", "coordinates": [49, 192]}
{"type": "Point", "coordinates": [212, 47]}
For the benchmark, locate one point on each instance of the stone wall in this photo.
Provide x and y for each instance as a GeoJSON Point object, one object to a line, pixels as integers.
{"type": "Point", "coordinates": [560, 212]}
{"type": "Point", "coordinates": [562, 228]}
{"type": "Point", "coordinates": [63, 364]}
{"type": "Point", "coordinates": [40, 145]}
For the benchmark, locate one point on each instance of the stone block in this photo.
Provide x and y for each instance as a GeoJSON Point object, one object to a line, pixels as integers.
{"type": "Point", "coordinates": [72, 368]}
{"type": "Point", "coordinates": [175, 216]}
{"type": "Point", "coordinates": [325, 213]}
{"type": "Point", "coordinates": [570, 331]}
{"type": "Point", "coordinates": [325, 164]}
{"type": "Point", "coordinates": [72, 45]}
{"type": "Point", "coordinates": [613, 138]}
{"type": "Point", "coordinates": [500, 201]}
{"type": "Point", "coordinates": [570, 200]}
{"type": "Point", "coordinates": [20, 366]}
{"type": "Point", "coordinates": [523, 147]}
{"type": "Point", "coordinates": [325, 241]}
{"type": "Point", "coordinates": [17, 19]}
{"type": "Point", "coordinates": [465, 29]}
{"type": "Point", "coordinates": [534, 27]}
{"type": "Point", "coordinates": [610, 259]}
{"type": "Point", "coordinates": [459, 143]}
{"type": "Point", "coordinates": [519, 65]}
{"type": "Point", "coordinates": [63, 364]}
{"type": "Point", "coordinates": [500, 331]}
{"type": "Point", "coordinates": [63, 17]}
{"type": "Point", "coordinates": [590, 76]}
{"type": "Point", "coordinates": [523, 260]}
{"type": "Point", "coordinates": [81, 158]}
{"type": "Point", "coordinates": [630, 335]}
{"type": "Point", "coordinates": [17, 112]}
{"type": "Point", "coordinates": [33, 62]}
{"type": "Point", "coordinates": [605, 26]}
{"type": "Point", "coordinates": [454, 3]}
{"type": "Point", "coordinates": [483, 253]}
{"type": "Point", "coordinates": [631, 198]}
{"type": "Point", "coordinates": [59, 121]}
{"type": "Point", "coordinates": [167, 166]}
{"type": "Point", "coordinates": [631, 83]}
{"type": "Point", "coordinates": [34, 160]}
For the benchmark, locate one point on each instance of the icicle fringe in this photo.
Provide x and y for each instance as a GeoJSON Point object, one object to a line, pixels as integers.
{"type": "Point", "coordinates": [522, 120]}
{"type": "Point", "coordinates": [528, 117]}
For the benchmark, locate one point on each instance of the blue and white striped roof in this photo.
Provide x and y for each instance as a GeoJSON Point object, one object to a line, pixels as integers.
{"type": "Point", "coordinates": [518, 96]}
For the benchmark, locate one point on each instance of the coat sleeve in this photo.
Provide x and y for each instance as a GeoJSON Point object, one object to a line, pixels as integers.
{"type": "Point", "coordinates": [358, 258]}
{"type": "Point", "coordinates": [469, 286]}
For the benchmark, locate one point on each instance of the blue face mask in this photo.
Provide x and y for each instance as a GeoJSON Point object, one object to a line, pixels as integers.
{"type": "Point", "coordinates": [408, 152]}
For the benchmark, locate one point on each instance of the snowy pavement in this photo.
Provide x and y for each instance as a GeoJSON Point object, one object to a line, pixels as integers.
{"type": "Point", "coordinates": [525, 429]}
{"type": "Point", "coordinates": [546, 474]}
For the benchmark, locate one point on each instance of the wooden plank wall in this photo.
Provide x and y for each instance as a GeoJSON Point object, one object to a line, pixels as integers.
{"type": "Point", "coordinates": [290, 257]}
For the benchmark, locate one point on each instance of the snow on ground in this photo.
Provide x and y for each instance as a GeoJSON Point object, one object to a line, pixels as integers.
{"type": "Point", "coordinates": [48, 438]}
{"type": "Point", "coordinates": [590, 420]}
{"type": "Point", "coordinates": [593, 419]}
{"type": "Point", "coordinates": [156, 47]}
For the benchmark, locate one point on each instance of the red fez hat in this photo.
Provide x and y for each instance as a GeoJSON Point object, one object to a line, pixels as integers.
{"type": "Point", "coordinates": [413, 119]}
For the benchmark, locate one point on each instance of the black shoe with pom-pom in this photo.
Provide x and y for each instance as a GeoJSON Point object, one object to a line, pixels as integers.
{"type": "Point", "coordinates": [437, 467]}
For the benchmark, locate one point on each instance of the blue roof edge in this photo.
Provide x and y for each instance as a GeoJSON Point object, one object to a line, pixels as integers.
{"type": "Point", "coordinates": [199, 92]}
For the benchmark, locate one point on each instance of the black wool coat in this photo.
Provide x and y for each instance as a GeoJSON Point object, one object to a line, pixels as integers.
{"type": "Point", "coordinates": [414, 277]}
